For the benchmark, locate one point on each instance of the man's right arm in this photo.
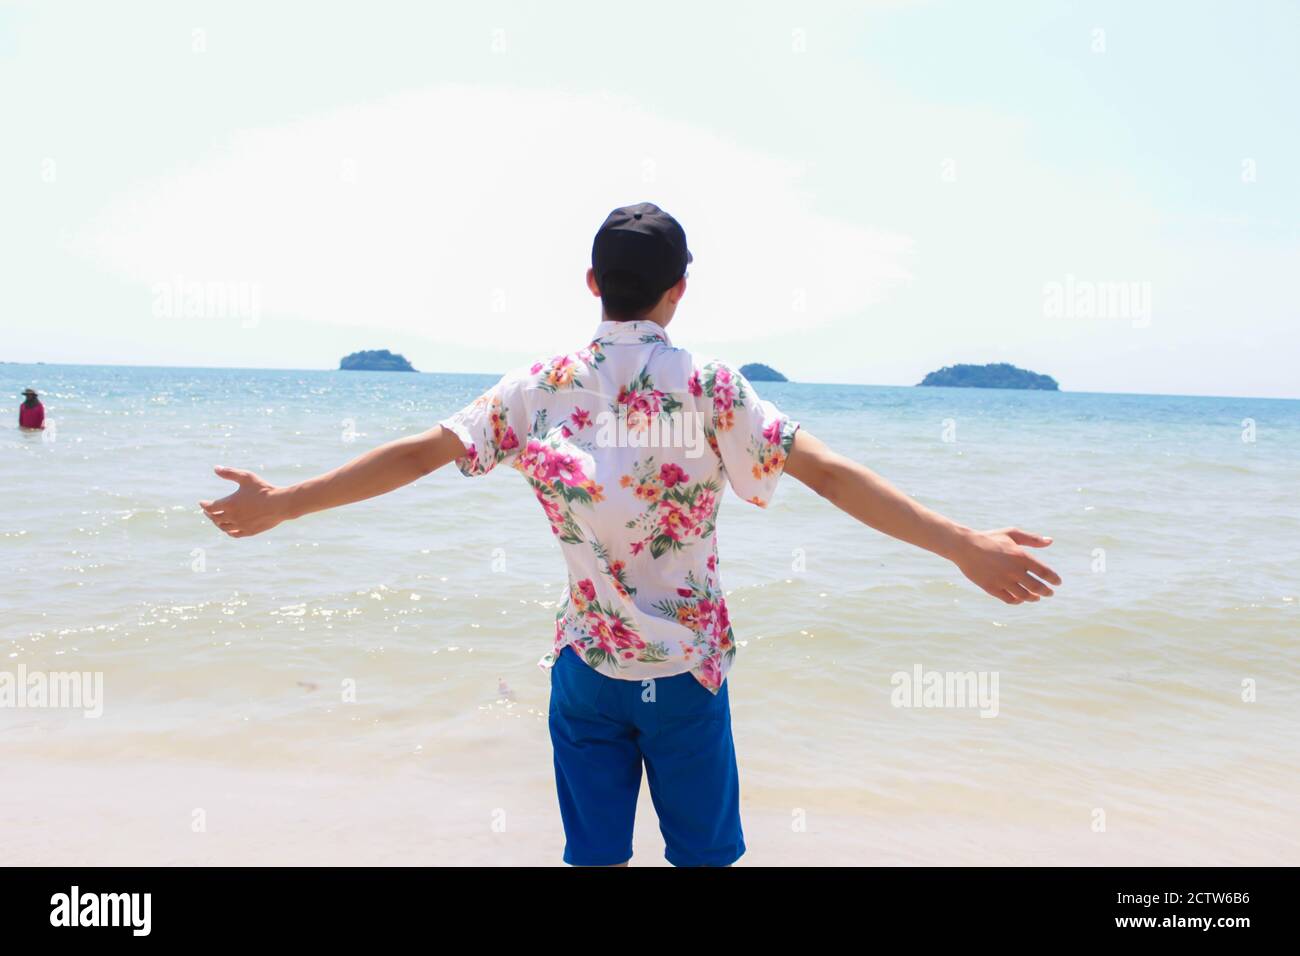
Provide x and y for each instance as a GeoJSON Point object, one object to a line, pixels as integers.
{"type": "Point", "coordinates": [257, 505]}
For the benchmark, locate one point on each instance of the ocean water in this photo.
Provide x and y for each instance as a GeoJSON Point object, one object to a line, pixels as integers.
{"type": "Point", "coordinates": [333, 691]}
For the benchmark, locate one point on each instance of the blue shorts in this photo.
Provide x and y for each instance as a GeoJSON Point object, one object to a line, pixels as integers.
{"type": "Point", "coordinates": [603, 728]}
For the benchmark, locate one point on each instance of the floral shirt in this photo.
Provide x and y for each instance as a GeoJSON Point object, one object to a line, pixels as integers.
{"type": "Point", "coordinates": [627, 444]}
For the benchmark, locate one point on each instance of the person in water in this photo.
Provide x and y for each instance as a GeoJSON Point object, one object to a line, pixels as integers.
{"type": "Point", "coordinates": [31, 413]}
{"type": "Point", "coordinates": [627, 443]}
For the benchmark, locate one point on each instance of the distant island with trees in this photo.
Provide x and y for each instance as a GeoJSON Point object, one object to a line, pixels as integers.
{"type": "Point", "coordinates": [378, 360]}
{"type": "Point", "coordinates": [995, 375]}
{"type": "Point", "coordinates": [758, 372]}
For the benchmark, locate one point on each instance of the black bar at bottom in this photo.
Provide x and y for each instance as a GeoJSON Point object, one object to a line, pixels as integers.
{"type": "Point", "coordinates": [330, 906]}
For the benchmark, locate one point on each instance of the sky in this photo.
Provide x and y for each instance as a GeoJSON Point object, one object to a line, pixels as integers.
{"type": "Point", "coordinates": [1103, 192]}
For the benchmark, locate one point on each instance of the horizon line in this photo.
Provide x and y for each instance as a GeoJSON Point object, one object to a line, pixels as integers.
{"type": "Point", "coordinates": [789, 381]}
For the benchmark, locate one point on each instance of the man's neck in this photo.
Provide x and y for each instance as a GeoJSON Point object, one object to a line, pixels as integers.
{"type": "Point", "coordinates": [658, 320]}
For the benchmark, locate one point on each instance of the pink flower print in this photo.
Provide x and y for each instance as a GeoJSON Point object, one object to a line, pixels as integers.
{"type": "Point", "coordinates": [704, 505]}
{"type": "Point", "coordinates": [673, 522]}
{"type": "Point", "coordinates": [534, 461]}
{"type": "Point", "coordinates": [650, 402]}
{"type": "Point", "coordinates": [671, 474]}
{"type": "Point", "coordinates": [711, 671]}
{"type": "Point", "coordinates": [562, 371]}
{"type": "Point", "coordinates": [553, 513]}
{"type": "Point", "coordinates": [567, 468]}
{"type": "Point", "coordinates": [724, 619]}
{"type": "Point", "coordinates": [599, 629]}
{"type": "Point", "coordinates": [624, 636]}
{"type": "Point", "coordinates": [641, 406]}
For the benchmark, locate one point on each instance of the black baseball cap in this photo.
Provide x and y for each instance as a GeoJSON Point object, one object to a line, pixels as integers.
{"type": "Point", "coordinates": [644, 241]}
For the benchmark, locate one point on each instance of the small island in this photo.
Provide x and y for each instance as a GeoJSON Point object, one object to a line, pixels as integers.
{"type": "Point", "coordinates": [995, 375]}
{"type": "Point", "coordinates": [758, 372]}
{"type": "Point", "coordinates": [378, 360]}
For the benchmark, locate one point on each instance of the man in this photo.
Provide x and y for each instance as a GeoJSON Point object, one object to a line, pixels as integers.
{"type": "Point", "coordinates": [31, 413]}
{"type": "Point", "coordinates": [627, 443]}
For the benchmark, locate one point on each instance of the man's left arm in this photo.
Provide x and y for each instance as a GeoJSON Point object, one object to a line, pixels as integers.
{"type": "Point", "coordinates": [996, 561]}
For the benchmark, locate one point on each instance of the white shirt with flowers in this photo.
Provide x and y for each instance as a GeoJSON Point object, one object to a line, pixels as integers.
{"type": "Point", "coordinates": [627, 444]}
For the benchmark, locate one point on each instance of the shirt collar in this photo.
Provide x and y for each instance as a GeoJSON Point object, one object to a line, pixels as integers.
{"type": "Point", "coordinates": [638, 332]}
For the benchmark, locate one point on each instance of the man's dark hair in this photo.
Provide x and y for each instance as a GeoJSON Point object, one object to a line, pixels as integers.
{"type": "Point", "coordinates": [625, 296]}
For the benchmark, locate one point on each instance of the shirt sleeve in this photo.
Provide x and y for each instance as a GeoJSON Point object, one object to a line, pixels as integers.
{"type": "Point", "coordinates": [492, 428]}
{"type": "Point", "coordinates": [751, 436]}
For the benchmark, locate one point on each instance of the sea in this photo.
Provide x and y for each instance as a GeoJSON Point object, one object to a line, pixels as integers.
{"type": "Point", "coordinates": [362, 685]}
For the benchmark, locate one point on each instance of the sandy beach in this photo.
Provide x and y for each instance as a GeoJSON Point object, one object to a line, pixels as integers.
{"type": "Point", "coordinates": [504, 815]}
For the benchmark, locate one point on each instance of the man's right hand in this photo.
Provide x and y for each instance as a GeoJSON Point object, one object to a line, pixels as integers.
{"type": "Point", "coordinates": [255, 506]}
{"type": "Point", "coordinates": [258, 505]}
